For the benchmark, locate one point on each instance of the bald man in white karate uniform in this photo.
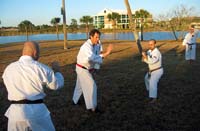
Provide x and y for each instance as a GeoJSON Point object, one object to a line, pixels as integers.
{"type": "Point", "coordinates": [25, 81]}
{"type": "Point", "coordinates": [86, 60]}
{"type": "Point", "coordinates": [153, 58]}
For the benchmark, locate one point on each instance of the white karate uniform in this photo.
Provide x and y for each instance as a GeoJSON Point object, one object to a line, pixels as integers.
{"type": "Point", "coordinates": [190, 45]}
{"type": "Point", "coordinates": [25, 79]}
{"type": "Point", "coordinates": [85, 83]}
{"type": "Point", "coordinates": [154, 61]}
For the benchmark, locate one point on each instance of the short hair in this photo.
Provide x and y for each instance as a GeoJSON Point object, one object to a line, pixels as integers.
{"type": "Point", "coordinates": [93, 31]}
{"type": "Point", "coordinates": [153, 40]}
{"type": "Point", "coordinates": [191, 26]}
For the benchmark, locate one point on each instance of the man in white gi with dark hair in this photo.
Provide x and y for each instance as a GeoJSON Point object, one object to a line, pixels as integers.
{"type": "Point", "coordinates": [153, 58]}
{"type": "Point", "coordinates": [87, 57]}
{"type": "Point", "coordinates": [25, 80]}
{"type": "Point", "coordinates": [190, 44]}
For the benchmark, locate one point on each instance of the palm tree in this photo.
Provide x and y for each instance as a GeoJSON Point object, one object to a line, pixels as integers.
{"type": "Point", "coordinates": [114, 18]}
{"type": "Point", "coordinates": [27, 26]}
{"type": "Point", "coordinates": [86, 20]}
{"type": "Point", "coordinates": [132, 25]}
{"type": "Point", "coordinates": [141, 15]}
{"type": "Point", "coordinates": [54, 22]}
{"type": "Point", "coordinates": [73, 25]}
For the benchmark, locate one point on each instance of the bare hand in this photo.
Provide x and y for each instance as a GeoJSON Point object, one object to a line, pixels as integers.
{"type": "Point", "coordinates": [143, 53]}
{"type": "Point", "coordinates": [55, 66]}
{"type": "Point", "coordinates": [144, 56]}
{"type": "Point", "coordinates": [109, 48]}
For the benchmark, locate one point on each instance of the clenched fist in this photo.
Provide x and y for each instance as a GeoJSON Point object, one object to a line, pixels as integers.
{"type": "Point", "coordinates": [55, 66]}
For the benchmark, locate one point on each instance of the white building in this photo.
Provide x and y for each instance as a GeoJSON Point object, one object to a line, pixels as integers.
{"type": "Point", "coordinates": [101, 20]}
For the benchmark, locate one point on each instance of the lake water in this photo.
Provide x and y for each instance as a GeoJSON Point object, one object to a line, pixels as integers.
{"type": "Point", "coordinates": [79, 36]}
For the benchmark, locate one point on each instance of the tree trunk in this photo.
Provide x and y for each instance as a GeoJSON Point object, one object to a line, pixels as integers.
{"type": "Point", "coordinates": [57, 31]}
{"type": "Point", "coordinates": [26, 33]}
{"type": "Point", "coordinates": [64, 25]}
{"type": "Point", "coordinates": [114, 28]}
{"type": "Point", "coordinates": [87, 30]}
{"type": "Point", "coordinates": [132, 25]}
{"type": "Point", "coordinates": [141, 28]}
{"type": "Point", "coordinates": [172, 27]}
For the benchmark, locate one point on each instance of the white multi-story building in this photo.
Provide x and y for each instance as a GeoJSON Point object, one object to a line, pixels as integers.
{"type": "Point", "coordinates": [101, 21]}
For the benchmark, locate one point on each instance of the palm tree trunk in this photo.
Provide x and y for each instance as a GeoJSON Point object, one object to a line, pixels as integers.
{"type": "Point", "coordinates": [87, 30]}
{"type": "Point", "coordinates": [114, 28]}
{"type": "Point", "coordinates": [26, 33]}
{"type": "Point", "coordinates": [57, 31]}
{"type": "Point", "coordinates": [141, 28]}
{"type": "Point", "coordinates": [64, 25]}
{"type": "Point", "coordinates": [132, 26]}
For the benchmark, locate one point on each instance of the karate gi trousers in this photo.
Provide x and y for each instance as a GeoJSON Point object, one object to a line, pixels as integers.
{"type": "Point", "coordinates": [85, 85]}
{"type": "Point", "coordinates": [25, 117]}
{"type": "Point", "coordinates": [151, 82]}
{"type": "Point", "coordinates": [31, 125]}
{"type": "Point", "coordinates": [190, 52]}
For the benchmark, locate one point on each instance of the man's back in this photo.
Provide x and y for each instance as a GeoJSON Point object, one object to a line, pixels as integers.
{"type": "Point", "coordinates": [24, 81]}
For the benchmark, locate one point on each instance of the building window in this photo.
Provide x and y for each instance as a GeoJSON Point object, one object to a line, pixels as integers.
{"type": "Point", "coordinates": [123, 16]}
{"type": "Point", "coordinates": [105, 11]}
{"type": "Point", "coordinates": [101, 18]}
{"type": "Point", "coordinates": [123, 21]}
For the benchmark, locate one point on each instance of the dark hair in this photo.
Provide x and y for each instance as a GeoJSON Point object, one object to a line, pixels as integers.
{"type": "Point", "coordinates": [93, 31]}
{"type": "Point", "coordinates": [153, 40]}
{"type": "Point", "coordinates": [192, 26]}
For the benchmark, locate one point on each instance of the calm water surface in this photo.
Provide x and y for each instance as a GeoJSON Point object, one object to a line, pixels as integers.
{"type": "Point", "coordinates": [104, 36]}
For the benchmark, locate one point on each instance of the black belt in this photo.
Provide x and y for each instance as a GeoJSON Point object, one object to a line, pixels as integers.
{"type": "Point", "coordinates": [90, 70]}
{"type": "Point", "coordinates": [191, 43]}
{"type": "Point", "coordinates": [149, 72]}
{"type": "Point", "coordinates": [39, 101]}
{"type": "Point", "coordinates": [81, 66]}
{"type": "Point", "coordinates": [155, 69]}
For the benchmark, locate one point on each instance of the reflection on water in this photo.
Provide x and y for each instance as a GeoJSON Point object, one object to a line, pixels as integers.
{"type": "Point", "coordinates": [104, 36]}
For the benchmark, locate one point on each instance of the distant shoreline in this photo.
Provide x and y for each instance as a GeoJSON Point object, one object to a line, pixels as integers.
{"type": "Point", "coordinates": [17, 33]}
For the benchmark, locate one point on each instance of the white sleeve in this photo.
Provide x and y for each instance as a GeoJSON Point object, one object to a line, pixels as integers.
{"type": "Point", "coordinates": [60, 79]}
{"type": "Point", "coordinates": [92, 57]}
{"type": "Point", "coordinates": [55, 80]}
{"type": "Point", "coordinates": [101, 48]}
{"type": "Point", "coordinates": [185, 41]}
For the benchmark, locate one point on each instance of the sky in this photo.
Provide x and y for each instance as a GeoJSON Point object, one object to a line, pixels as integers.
{"type": "Point", "coordinates": [39, 12]}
